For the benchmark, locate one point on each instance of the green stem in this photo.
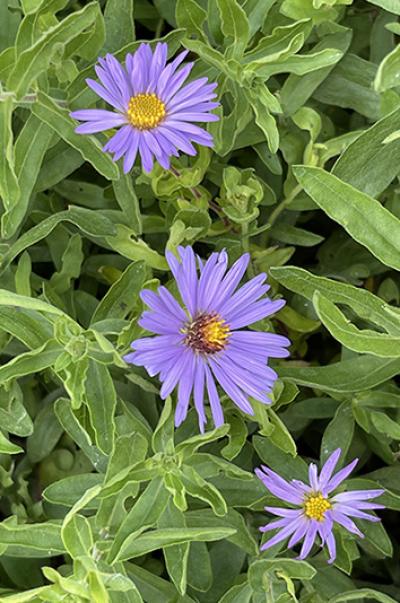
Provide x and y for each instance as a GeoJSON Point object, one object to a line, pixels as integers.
{"type": "Point", "coordinates": [284, 204]}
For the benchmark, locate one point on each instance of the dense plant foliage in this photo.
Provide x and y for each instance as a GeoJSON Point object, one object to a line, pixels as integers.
{"type": "Point", "coordinates": [103, 499]}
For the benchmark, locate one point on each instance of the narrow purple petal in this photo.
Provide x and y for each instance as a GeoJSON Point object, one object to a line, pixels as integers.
{"type": "Point", "coordinates": [340, 476]}
{"type": "Point", "coordinates": [354, 495]}
{"type": "Point", "coordinates": [198, 392]}
{"type": "Point", "coordinates": [227, 384]}
{"type": "Point", "coordinates": [184, 390]}
{"type": "Point", "coordinates": [281, 535]}
{"type": "Point", "coordinates": [328, 468]}
{"type": "Point", "coordinates": [215, 403]}
{"type": "Point", "coordinates": [309, 539]}
{"type": "Point", "coordinates": [344, 521]}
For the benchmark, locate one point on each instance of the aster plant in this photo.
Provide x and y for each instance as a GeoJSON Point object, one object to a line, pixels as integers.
{"type": "Point", "coordinates": [318, 508]}
{"type": "Point", "coordinates": [206, 341]}
{"type": "Point", "coordinates": [153, 109]}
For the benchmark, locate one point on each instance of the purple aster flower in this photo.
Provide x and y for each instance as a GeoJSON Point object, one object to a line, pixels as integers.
{"type": "Point", "coordinates": [205, 342]}
{"type": "Point", "coordinates": [153, 109]}
{"type": "Point", "coordinates": [319, 509]}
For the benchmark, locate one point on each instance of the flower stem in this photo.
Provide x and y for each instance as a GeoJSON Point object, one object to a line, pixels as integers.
{"type": "Point", "coordinates": [283, 205]}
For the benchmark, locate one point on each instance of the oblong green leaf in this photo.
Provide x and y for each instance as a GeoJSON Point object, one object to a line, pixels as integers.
{"type": "Point", "coordinates": [357, 374]}
{"type": "Point", "coordinates": [364, 218]}
{"type": "Point", "coordinates": [365, 304]}
{"type": "Point", "coordinates": [36, 59]}
{"type": "Point", "coordinates": [88, 146]}
{"type": "Point", "coordinates": [135, 546]}
{"type": "Point", "coordinates": [363, 341]}
{"type": "Point", "coordinates": [32, 540]}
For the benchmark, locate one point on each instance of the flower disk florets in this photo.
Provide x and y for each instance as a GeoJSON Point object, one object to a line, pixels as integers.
{"type": "Point", "coordinates": [316, 506]}
{"type": "Point", "coordinates": [146, 111]}
{"type": "Point", "coordinates": [206, 334]}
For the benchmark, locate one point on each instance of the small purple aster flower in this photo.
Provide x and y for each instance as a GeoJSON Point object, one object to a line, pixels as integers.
{"type": "Point", "coordinates": [319, 510]}
{"type": "Point", "coordinates": [205, 343]}
{"type": "Point", "coordinates": [155, 111]}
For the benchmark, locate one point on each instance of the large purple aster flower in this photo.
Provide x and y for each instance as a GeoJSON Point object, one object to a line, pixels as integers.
{"type": "Point", "coordinates": [154, 110]}
{"type": "Point", "coordinates": [318, 508]}
{"type": "Point", "coordinates": [205, 343]}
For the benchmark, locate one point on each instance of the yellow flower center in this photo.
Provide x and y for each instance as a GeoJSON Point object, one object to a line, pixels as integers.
{"type": "Point", "coordinates": [207, 333]}
{"type": "Point", "coordinates": [146, 111]}
{"type": "Point", "coordinates": [316, 506]}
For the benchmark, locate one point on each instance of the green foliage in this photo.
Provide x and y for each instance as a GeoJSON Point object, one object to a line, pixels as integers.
{"type": "Point", "coordinates": [102, 499]}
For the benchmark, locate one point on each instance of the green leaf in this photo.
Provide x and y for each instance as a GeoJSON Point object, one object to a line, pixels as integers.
{"type": "Point", "coordinates": [31, 540]}
{"type": "Point", "coordinates": [387, 75]}
{"type": "Point", "coordinates": [30, 148]}
{"type": "Point", "coordinates": [385, 424]}
{"type": "Point", "coordinates": [128, 201]}
{"type": "Point", "coordinates": [361, 301]}
{"type": "Point", "coordinates": [339, 433]}
{"type": "Point", "coordinates": [391, 6]}
{"type": "Point", "coordinates": [68, 491]}
{"type": "Point", "coordinates": [79, 435]}
{"type": "Point", "coordinates": [36, 59]}
{"type": "Point", "coordinates": [7, 447]}
{"type": "Point", "coordinates": [362, 593]}
{"type": "Point", "coordinates": [101, 400]}
{"type": "Point", "coordinates": [241, 593]}
{"type": "Point", "coordinates": [145, 512]}
{"type": "Point", "coordinates": [296, 90]}
{"type": "Point", "coordinates": [119, 24]}
{"type": "Point", "coordinates": [121, 298]}
{"type": "Point", "coordinates": [31, 362]}
{"type": "Point", "coordinates": [58, 119]}
{"type": "Point", "coordinates": [190, 16]}
{"type": "Point", "coordinates": [292, 235]}
{"type": "Point", "coordinates": [135, 546]}
{"type": "Point", "coordinates": [235, 26]}
{"type": "Point", "coordinates": [90, 222]}
{"type": "Point", "coordinates": [364, 218]}
{"type": "Point", "coordinates": [367, 163]}
{"type": "Point", "coordinates": [126, 243]}
{"type": "Point", "coordinates": [77, 536]}
{"type": "Point", "coordinates": [363, 341]}
{"type": "Point", "coordinates": [197, 487]}
{"type": "Point", "coordinates": [9, 188]}
{"type": "Point", "coordinates": [354, 375]}
{"type": "Point", "coordinates": [176, 557]}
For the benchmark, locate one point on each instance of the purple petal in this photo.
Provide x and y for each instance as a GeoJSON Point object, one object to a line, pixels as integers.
{"type": "Point", "coordinates": [146, 155]}
{"type": "Point", "coordinates": [230, 388]}
{"type": "Point", "coordinates": [313, 477]}
{"type": "Point", "coordinates": [354, 495]}
{"type": "Point", "coordinates": [328, 468]}
{"type": "Point", "coordinates": [231, 281]}
{"type": "Point", "coordinates": [255, 312]}
{"type": "Point", "coordinates": [344, 521]}
{"type": "Point", "coordinates": [215, 403]}
{"type": "Point", "coordinates": [132, 149]}
{"type": "Point", "coordinates": [309, 539]}
{"type": "Point", "coordinates": [198, 392]}
{"type": "Point", "coordinates": [354, 512]}
{"type": "Point", "coordinates": [340, 476]}
{"type": "Point", "coordinates": [281, 535]}
{"type": "Point", "coordinates": [184, 390]}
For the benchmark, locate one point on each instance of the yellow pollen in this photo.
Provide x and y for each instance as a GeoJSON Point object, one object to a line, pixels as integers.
{"type": "Point", "coordinates": [216, 332]}
{"type": "Point", "coordinates": [146, 111]}
{"type": "Point", "coordinates": [207, 333]}
{"type": "Point", "coordinates": [315, 506]}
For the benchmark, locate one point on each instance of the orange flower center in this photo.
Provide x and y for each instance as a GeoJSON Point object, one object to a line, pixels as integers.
{"type": "Point", "coordinates": [146, 111]}
{"type": "Point", "coordinates": [207, 333]}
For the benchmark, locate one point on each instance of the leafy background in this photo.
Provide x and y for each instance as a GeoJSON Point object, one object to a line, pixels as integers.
{"type": "Point", "coordinates": [100, 500]}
